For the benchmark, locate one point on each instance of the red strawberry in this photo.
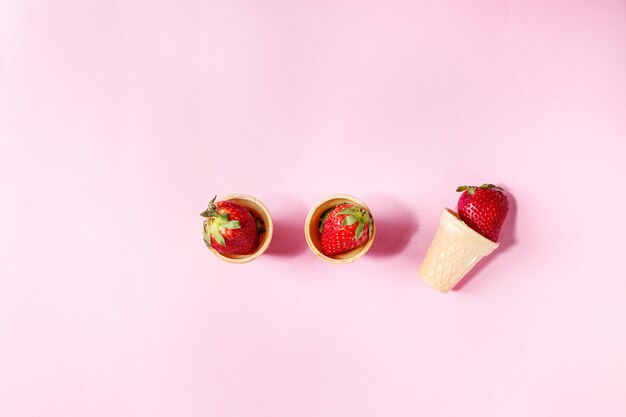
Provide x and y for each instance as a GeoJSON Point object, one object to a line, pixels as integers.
{"type": "Point", "coordinates": [344, 228]}
{"type": "Point", "coordinates": [229, 228]}
{"type": "Point", "coordinates": [483, 209]}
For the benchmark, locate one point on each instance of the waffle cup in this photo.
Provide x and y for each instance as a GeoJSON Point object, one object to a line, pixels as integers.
{"type": "Point", "coordinates": [454, 251]}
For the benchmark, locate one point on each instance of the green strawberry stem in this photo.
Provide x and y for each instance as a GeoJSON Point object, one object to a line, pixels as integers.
{"type": "Point", "coordinates": [210, 211]}
{"type": "Point", "coordinates": [215, 222]}
{"type": "Point", "coordinates": [471, 189]}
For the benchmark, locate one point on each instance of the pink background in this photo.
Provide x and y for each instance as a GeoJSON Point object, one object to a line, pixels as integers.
{"type": "Point", "coordinates": [120, 119]}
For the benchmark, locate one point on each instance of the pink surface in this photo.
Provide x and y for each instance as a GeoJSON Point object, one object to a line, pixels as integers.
{"type": "Point", "coordinates": [120, 119]}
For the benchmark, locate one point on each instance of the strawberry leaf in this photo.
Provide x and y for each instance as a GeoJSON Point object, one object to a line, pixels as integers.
{"type": "Point", "coordinates": [218, 237]}
{"type": "Point", "coordinates": [207, 237]}
{"type": "Point", "coordinates": [233, 224]}
{"type": "Point", "coordinates": [348, 220]}
{"type": "Point", "coordinates": [461, 188]}
{"type": "Point", "coordinates": [350, 210]}
{"type": "Point", "coordinates": [359, 230]}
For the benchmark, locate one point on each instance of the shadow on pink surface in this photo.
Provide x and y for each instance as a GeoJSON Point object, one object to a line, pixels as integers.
{"type": "Point", "coordinates": [395, 225]}
{"type": "Point", "coordinates": [507, 240]}
{"type": "Point", "coordinates": [288, 238]}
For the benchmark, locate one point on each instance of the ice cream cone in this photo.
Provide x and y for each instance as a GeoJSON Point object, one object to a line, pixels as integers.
{"type": "Point", "coordinates": [454, 251]}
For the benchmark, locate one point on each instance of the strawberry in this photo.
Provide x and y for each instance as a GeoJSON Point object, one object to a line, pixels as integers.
{"type": "Point", "coordinates": [483, 209]}
{"type": "Point", "coordinates": [343, 228]}
{"type": "Point", "coordinates": [229, 228]}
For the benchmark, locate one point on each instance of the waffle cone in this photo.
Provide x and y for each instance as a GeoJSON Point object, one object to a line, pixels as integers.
{"type": "Point", "coordinates": [454, 251]}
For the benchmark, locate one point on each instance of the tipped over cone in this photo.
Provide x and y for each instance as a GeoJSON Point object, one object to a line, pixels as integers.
{"type": "Point", "coordinates": [454, 251]}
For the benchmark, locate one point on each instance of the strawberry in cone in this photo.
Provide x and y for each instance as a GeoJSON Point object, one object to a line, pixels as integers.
{"type": "Point", "coordinates": [465, 238]}
{"type": "Point", "coordinates": [231, 229]}
{"type": "Point", "coordinates": [344, 228]}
